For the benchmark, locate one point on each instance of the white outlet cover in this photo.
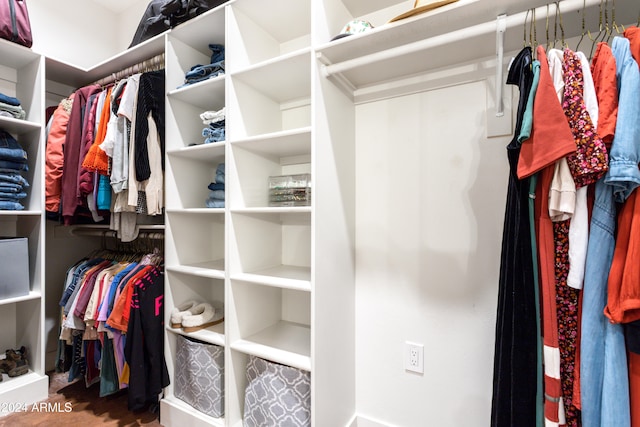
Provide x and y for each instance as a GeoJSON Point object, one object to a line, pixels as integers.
{"type": "Point", "coordinates": [414, 357]}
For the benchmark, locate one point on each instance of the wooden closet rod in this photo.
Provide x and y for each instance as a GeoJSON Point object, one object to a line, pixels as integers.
{"type": "Point", "coordinates": [152, 64]}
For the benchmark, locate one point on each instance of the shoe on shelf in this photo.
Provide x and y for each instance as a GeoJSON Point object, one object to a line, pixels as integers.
{"type": "Point", "coordinates": [202, 316]}
{"type": "Point", "coordinates": [16, 362]}
{"type": "Point", "coordinates": [177, 313]}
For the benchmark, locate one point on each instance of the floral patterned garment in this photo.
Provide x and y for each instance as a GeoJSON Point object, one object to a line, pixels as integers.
{"type": "Point", "coordinates": [591, 160]}
{"type": "Point", "coordinates": [567, 315]}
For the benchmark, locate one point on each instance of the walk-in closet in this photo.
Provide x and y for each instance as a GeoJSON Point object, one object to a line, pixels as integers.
{"type": "Point", "coordinates": [308, 213]}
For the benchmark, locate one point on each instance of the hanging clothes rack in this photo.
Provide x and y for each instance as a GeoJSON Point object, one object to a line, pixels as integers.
{"type": "Point", "coordinates": [155, 63]}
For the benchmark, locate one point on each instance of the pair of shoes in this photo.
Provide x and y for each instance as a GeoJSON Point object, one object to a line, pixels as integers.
{"type": "Point", "coordinates": [15, 363]}
{"type": "Point", "coordinates": [192, 316]}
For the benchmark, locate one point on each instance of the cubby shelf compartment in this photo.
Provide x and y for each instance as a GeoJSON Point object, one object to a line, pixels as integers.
{"type": "Point", "coordinates": [264, 239]}
{"type": "Point", "coordinates": [271, 97]}
{"type": "Point", "coordinates": [259, 32]}
{"type": "Point", "coordinates": [258, 158]}
{"type": "Point", "coordinates": [189, 173]}
{"type": "Point", "coordinates": [184, 125]}
{"type": "Point", "coordinates": [195, 240]}
{"type": "Point", "coordinates": [188, 44]}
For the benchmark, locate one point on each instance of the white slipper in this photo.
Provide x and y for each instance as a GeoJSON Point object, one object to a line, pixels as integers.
{"type": "Point", "coordinates": [177, 313]}
{"type": "Point", "coordinates": [202, 316]}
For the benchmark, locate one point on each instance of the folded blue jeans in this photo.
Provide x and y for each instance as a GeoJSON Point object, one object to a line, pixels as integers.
{"type": "Point", "coordinates": [216, 186]}
{"type": "Point", "coordinates": [10, 187]}
{"type": "Point", "coordinates": [214, 203]}
{"type": "Point", "coordinates": [14, 166]}
{"type": "Point", "coordinates": [10, 205]}
{"type": "Point", "coordinates": [13, 177]}
{"type": "Point", "coordinates": [216, 194]}
{"type": "Point", "coordinates": [213, 135]}
{"type": "Point", "coordinates": [10, 149]}
{"type": "Point", "coordinates": [12, 196]}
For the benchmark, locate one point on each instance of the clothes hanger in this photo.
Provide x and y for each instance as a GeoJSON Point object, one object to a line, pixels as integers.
{"type": "Point", "coordinates": [594, 40]}
{"type": "Point", "coordinates": [584, 10]}
{"type": "Point", "coordinates": [558, 21]}
{"type": "Point", "coordinates": [607, 27]}
{"type": "Point", "coordinates": [546, 30]}
{"type": "Point", "coordinates": [619, 28]}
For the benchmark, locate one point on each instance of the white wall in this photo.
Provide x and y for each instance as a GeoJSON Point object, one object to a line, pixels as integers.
{"type": "Point", "coordinates": [430, 205]}
{"type": "Point", "coordinates": [82, 32]}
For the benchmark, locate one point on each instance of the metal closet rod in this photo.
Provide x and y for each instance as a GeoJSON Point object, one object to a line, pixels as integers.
{"type": "Point", "coordinates": [515, 20]}
{"type": "Point", "coordinates": [151, 64]}
{"type": "Point", "coordinates": [153, 233]}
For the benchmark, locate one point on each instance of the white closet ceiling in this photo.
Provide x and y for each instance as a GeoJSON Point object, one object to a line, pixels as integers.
{"type": "Point", "coordinates": [116, 6]}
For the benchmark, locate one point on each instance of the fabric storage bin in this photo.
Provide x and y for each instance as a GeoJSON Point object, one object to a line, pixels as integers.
{"type": "Point", "coordinates": [199, 375]}
{"type": "Point", "coordinates": [276, 395]}
{"type": "Point", "coordinates": [14, 265]}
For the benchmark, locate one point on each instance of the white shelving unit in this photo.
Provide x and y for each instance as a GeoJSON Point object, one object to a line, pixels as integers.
{"type": "Point", "coordinates": [22, 76]}
{"type": "Point", "coordinates": [195, 235]}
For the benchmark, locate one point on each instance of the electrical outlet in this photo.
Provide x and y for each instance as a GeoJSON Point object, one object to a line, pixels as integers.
{"type": "Point", "coordinates": [414, 357]}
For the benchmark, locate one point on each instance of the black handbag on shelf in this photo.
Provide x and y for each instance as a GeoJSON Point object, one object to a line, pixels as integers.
{"type": "Point", "coordinates": [162, 15]}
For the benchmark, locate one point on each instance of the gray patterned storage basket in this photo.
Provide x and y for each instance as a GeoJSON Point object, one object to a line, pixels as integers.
{"type": "Point", "coordinates": [200, 375]}
{"type": "Point", "coordinates": [276, 395]}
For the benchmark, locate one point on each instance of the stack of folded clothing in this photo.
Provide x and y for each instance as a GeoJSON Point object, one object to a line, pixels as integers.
{"type": "Point", "coordinates": [200, 72]}
{"type": "Point", "coordinates": [13, 161]}
{"type": "Point", "coordinates": [216, 193]}
{"type": "Point", "coordinates": [215, 123]}
{"type": "Point", "coordinates": [10, 107]}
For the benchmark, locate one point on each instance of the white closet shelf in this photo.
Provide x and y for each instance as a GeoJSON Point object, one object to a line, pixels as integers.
{"type": "Point", "coordinates": [213, 335]}
{"type": "Point", "coordinates": [30, 296]}
{"type": "Point", "coordinates": [287, 143]}
{"type": "Point", "coordinates": [281, 276]}
{"type": "Point", "coordinates": [197, 211]}
{"type": "Point", "coordinates": [285, 342]}
{"type": "Point", "coordinates": [288, 75]}
{"type": "Point", "coordinates": [373, 60]}
{"type": "Point", "coordinates": [8, 382]}
{"type": "Point", "coordinates": [205, 28]}
{"type": "Point", "coordinates": [179, 412]}
{"type": "Point", "coordinates": [273, 210]}
{"type": "Point", "coordinates": [202, 152]}
{"type": "Point", "coordinates": [77, 76]}
{"type": "Point", "coordinates": [268, 16]}
{"type": "Point", "coordinates": [213, 269]}
{"type": "Point", "coordinates": [17, 126]}
{"type": "Point", "coordinates": [207, 94]}
{"type": "Point", "coordinates": [21, 213]}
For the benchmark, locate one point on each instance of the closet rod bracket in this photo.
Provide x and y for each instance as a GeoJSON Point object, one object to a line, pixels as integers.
{"type": "Point", "coordinates": [501, 28]}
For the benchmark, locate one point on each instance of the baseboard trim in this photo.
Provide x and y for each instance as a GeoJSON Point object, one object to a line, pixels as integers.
{"type": "Point", "coordinates": [361, 421]}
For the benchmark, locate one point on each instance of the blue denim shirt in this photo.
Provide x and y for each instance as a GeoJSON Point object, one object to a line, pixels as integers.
{"type": "Point", "coordinates": [624, 155]}
{"type": "Point", "coordinates": [604, 383]}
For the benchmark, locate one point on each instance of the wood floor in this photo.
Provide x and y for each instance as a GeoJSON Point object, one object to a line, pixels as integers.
{"type": "Point", "coordinates": [87, 408]}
